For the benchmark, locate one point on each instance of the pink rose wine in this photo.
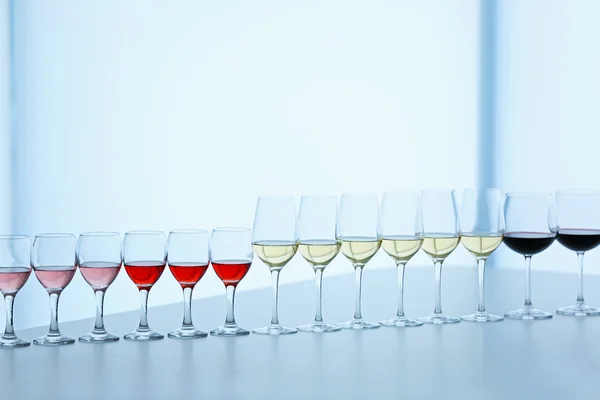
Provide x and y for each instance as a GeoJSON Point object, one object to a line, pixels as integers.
{"type": "Point", "coordinates": [12, 279]}
{"type": "Point", "coordinates": [99, 274]}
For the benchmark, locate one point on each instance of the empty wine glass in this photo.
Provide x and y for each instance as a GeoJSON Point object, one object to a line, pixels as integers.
{"type": "Point", "coordinates": [358, 232]}
{"type": "Point", "coordinates": [54, 263]}
{"type": "Point", "coordinates": [231, 257]}
{"type": "Point", "coordinates": [401, 231]}
{"type": "Point", "coordinates": [99, 259]}
{"type": "Point", "coordinates": [275, 244]}
{"type": "Point", "coordinates": [188, 258]}
{"type": "Point", "coordinates": [145, 257]}
{"type": "Point", "coordinates": [579, 216]}
{"type": "Point", "coordinates": [441, 235]}
{"type": "Point", "coordinates": [318, 245]}
{"type": "Point", "coordinates": [531, 227]}
{"type": "Point", "coordinates": [15, 268]}
{"type": "Point", "coordinates": [482, 224]}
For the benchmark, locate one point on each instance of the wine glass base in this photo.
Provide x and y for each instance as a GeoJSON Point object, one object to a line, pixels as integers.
{"type": "Point", "coordinates": [578, 310]}
{"type": "Point", "coordinates": [143, 336]}
{"type": "Point", "coordinates": [187, 333]}
{"type": "Point", "coordinates": [482, 317]}
{"type": "Point", "coordinates": [98, 338]}
{"type": "Point", "coordinates": [439, 319]}
{"type": "Point", "coordinates": [58, 340]}
{"type": "Point", "coordinates": [359, 325]}
{"type": "Point", "coordinates": [13, 343]}
{"type": "Point", "coordinates": [528, 313]}
{"type": "Point", "coordinates": [319, 328]}
{"type": "Point", "coordinates": [226, 330]}
{"type": "Point", "coordinates": [401, 322]}
{"type": "Point", "coordinates": [274, 330]}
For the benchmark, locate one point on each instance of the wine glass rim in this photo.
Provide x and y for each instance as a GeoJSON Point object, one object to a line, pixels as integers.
{"type": "Point", "coordinates": [144, 232]}
{"type": "Point", "coordinates": [13, 237]}
{"type": "Point", "coordinates": [187, 231]}
{"type": "Point", "coordinates": [231, 229]}
{"type": "Point", "coordinates": [99, 233]}
{"type": "Point", "coordinates": [401, 191]}
{"type": "Point", "coordinates": [529, 194]}
{"type": "Point", "coordinates": [578, 191]}
{"type": "Point", "coordinates": [54, 235]}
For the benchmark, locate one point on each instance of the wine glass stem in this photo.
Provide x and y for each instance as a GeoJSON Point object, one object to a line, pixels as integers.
{"type": "Point", "coordinates": [401, 267]}
{"type": "Point", "coordinates": [53, 331]}
{"type": "Point", "coordinates": [230, 318]}
{"type": "Point", "coordinates": [275, 301]}
{"type": "Point", "coordinates": [580, 281]}
{"type": "Point", "coordinates": [9, 332]}
{"type": "Point", "coordinates": [99, 326]}
{"type": "Point", "coordinates": [143, 311]}
{"type": "Point", "coordinates": [357, 305]}
{"type": "Point", "coordinates": [187, 307]}
{"type": "Point", "coordinates": [438, 288]}
{"type": "Point", "coordinates": [319, 299]}
{"type": "Point", "coordinates": [481, 273]}
{"type": "Point", "coordinates": [527, 281]}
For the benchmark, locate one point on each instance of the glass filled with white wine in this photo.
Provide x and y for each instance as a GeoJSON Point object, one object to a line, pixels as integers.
{"type": "Point", "coordinates": [358, 232]}
{"type": "Point", "coordinates": [401, 232]}
{"type": "Point", "coordinates": [318, 244]}
{"type": "Point", "coordinates": [441, 235]}
{"type": "Point", "coordinates": [275, 243]}
{"type": "Point", "coordinates": [482, 224]}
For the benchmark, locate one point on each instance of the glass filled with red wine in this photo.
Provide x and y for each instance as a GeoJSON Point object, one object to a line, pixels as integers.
{"type": "Point", "coordinates": [54, 263]}
{"type": "Point", "coordinates": [531, 227]}
{"type": "Point", "coordinates": [99, 259]}
{"type": "Point", "coordinates": [15, 268]}
{"type": "Point", "coordinates": [579, 216]}
{"type": "Point", "coordinates": [145, 257]}
{"type": "Point", "coordinates": [231, 256]}
{"type": "Point", "coordinates": [188, 261]}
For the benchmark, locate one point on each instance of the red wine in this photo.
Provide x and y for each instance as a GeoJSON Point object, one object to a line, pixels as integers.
{"type": "Point", "coordinates": [144, 273]}
{"type": "Point", "coordinates": [579, 239]}
{"type": "Point", "coordinates": [528, 243]}
{"type": "Point", "coordinates": [231, 272]}
{"type": "Point", "coordinates": [99, 274]}
{"type": "Point", "coordinates": [55, 279]}
{"type": "Point", "coordinates": [188, 274]}
{"type": "Point", "coordinates": [12, 279]}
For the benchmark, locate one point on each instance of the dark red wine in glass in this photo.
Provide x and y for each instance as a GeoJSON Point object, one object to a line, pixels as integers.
{"type": "Point", "coordinates": [579, 240]}
{"type": "Point", "coordinates": [144, 273]}
{"type": "Point", "coordinates": [231, 272]}
{"type": "Point", "coordinates": [187, 274]}
{"type": "Point", "coordinates": [528, 243]}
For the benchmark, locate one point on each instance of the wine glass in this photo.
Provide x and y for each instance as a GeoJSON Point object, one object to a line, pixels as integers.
{"type": "Point", "coordinates": [15, 268]}
{"type": "Point", "coordinates": [188, 259]}
{"type": "Point", "coordinates": [54, 263]}
{"type": "Point", "coordinates": [99, 258]}
{"type": "Point", "coordinates": [358, 232]}
{"type": "Point", "coordinates": [579, 216]}
{"type": "Point", "coordinates": [441, 235]}
{"type": "Point", "coordinates": [145, 257]}
{"type": "Point", "coordinates": [531, 227]}
{"type": "Point", "coordinates": [482, 225]}
{"type": "Point", "coordinates": [318, 244]}
{"type": "Point", "coordinates": [275, 244]}
{"type": "Point", "coordinates": [231, 257]}
{"type": "Point", "coordinates": [401, 231]}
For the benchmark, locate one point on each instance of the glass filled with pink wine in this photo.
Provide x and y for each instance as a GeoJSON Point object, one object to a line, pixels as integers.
{"type": "Point", "coordinates": [188, 261]}
{"type": "Point", "coordinates": [231, 256]}
{"type": "Point", "coordinates": [531, 227]}
{"type": "Point", "coordinates": [145, 257]}
{"type": "Point", "coordinates": [54, 263]}
{"type": "Point", "coordinates": [99, 259]}
{"type": "Point", "coordinates": [579, 216]}
{"type": "Point", "coordinates": [15, 268]}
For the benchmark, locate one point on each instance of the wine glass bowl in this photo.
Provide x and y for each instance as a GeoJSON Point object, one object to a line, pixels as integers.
{"type": "Point", "coordinates": [99, 258]}
{"type": "Point", "coordinates": [15, 269]}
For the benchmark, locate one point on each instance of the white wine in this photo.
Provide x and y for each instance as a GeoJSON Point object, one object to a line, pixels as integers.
{"type": "Point", "coordinates": [401, 248]}
{"type": "Point", "coordinates": [480, 244]}
{"type": "Point", "coordinates": [275, 253]}
{"type": "Point", "coordinates": [439, 245]}
{"type": "Point", "coordinates": [359, 250]}
{"type": "Point", "coordinates": [319, 252]}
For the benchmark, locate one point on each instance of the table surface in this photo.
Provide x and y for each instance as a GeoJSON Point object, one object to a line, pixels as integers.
{"type": "Point", "coordinates": [550, 359]}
